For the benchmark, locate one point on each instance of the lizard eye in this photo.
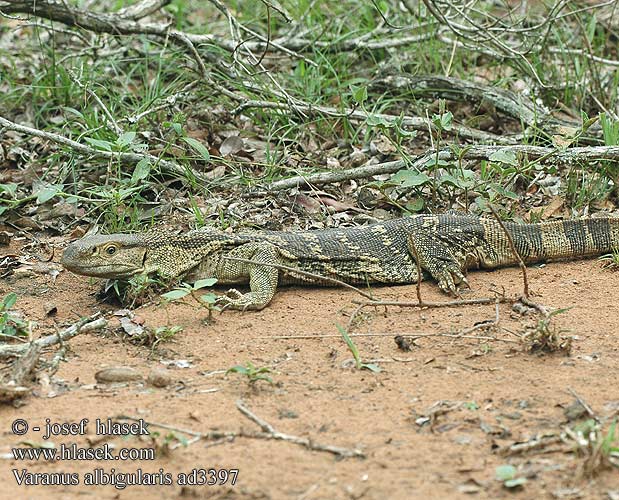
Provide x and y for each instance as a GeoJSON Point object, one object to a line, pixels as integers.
{"type": "Point", "coordinates": [111, 249]}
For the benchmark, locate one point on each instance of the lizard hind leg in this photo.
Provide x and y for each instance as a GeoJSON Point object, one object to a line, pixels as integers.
{"type": "Point", "coordinates": [437, 259]}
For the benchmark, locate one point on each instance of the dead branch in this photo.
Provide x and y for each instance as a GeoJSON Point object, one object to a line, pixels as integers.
{"type": "Point", "coordinates": [268, 432]}
{"type": "Point", "coordinates": [17, 384]}
{"type": "Point", "coordinates": [515, 105]}
{"type": "Point", "coordinates": [550, 155]}
{"type": "Point", "coordinates": [486, 324]}
{"type": "Point", "coordinates": [91, 323]}
{"type": "Point", "coordinates": [476, 152]}
{"type": "Point", "coordinates": [521, 264]}
{"type": "Point", "coordinates": [538, 307]}
{"type": "Point", "coordinates": [142, 9]}
{"type": "Point", "coordinates": [537, 444]}
{"type": "Point", "coordinates": [127, 158]}
{"type": "Point", "coordinates": [582, 403]}
{"type": "Point", "coordinates": [271, 433]}
{"type": "Point", "coordinates": [337, 176]}
{"type": "Point", "coordinates": [126, 22]}
{"type": "Point", "coordinates": [25, 364]}
{"type": "Point", "coordinates": [411, 122]}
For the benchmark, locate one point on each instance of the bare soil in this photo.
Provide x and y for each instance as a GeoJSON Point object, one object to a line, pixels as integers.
{"type": "Point", "coordinates": [482, 394]}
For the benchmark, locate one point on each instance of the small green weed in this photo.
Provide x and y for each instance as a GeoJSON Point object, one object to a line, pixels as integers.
{"type": "Point", "coordinates": [11, 325]}
{"type": "Point", "coordinates": [133, 292]}
{"type": "Point", "coordinates": [508, 475]}
{"type": "Point", "coordinates": [546, 337]}
{"type": "Point", "coordinates": [165, 443]}
{"type": "Point", "coordinates": [355, 352]}
{"type": "Point", "coordinates": [599, 448]}
{"type": "Point", "coordinates": [252, 373]}
{"type": "Point", "coordinates": [471, 405]}
{"type": "Point", "coordinates": [610, 261]}
{"type": "Point", "coordinates": [152, 338]}
{"type": "Point", "coordinates": [206, 300]}
{"type": "Point", "coordinates": [610, 130]}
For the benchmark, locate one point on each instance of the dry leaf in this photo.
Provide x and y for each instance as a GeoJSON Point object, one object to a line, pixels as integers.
{"type": "Point", "coordinates": [231, 145]}
{"type": "Point", "coordinates": [310, 205]}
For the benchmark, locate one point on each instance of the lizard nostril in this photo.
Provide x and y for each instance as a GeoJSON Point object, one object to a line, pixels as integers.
{"type": "Point", "coordinates": [93, 250]}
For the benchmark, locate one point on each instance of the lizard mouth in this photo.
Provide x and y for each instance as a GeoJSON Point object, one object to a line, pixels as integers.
{"type": "Point", "coordinates": [103, 271]}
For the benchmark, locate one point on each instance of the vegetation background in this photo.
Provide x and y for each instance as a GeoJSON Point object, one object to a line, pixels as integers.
{"type": "Point", "coordinates": [259, 114]}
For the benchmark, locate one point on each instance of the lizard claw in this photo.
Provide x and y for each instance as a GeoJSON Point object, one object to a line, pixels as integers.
{"type": "Point", "coordinates": [233, 299]}
{"type": "Point", "coordinates": [234, 294]}
{"type": "Point", "coordinates": [451, 276]}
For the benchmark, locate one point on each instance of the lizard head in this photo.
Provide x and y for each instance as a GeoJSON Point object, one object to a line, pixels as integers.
{"type": "Point", "coordinates": [107, 256]}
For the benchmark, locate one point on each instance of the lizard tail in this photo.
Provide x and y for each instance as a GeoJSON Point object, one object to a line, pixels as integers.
{"type": "Point", "coordinates": [567, 239]}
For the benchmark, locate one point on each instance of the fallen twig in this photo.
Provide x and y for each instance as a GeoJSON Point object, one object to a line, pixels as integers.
{"type": "Point", "coordinates": [515, 105]}
{"type": "Point", "coordinates": [128, 158]}
{"type": "Point", "coordinates": [84, 325]}
{"type": "Point", "coordinates": [473, 152]}
{"type": "Point", "coordinates": [582, 402]}
{"type": "Point", "coordinates": [494, 323]}
{"type": "Point", "coordinates": [523, 267]}
{"type": "Point", "coordinates": [268, 432]}
{"type": "Point", "coordinates": [17, 386]}
{"type": "Point", "coordinates": [25, 364]}
{"type": "Point", "coordinates": [142, 9]}
{"type": "Point", "coordinates": [392, 334]}
{"type": "Point", "coordinates": [543, 310]}
{"type": "Point", "coordinates": [320, 178]}
{"type": "Point", "coordinates": [537, 443]}
{"type": "Point", "coordinates": [412, 122]}
{"type": "Point", "coordinates": [271, 433]}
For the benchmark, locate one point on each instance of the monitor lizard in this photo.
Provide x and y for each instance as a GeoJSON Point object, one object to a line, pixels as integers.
{"type": "Point", "coordinates": [446, 245]}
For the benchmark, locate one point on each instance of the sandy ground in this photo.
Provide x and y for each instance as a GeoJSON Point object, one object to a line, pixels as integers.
{"type": "Point", "coordinates": [482, 394]}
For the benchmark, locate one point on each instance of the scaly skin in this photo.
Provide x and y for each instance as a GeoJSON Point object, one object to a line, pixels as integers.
{"type": "Point", "coordinates": [447, 245]}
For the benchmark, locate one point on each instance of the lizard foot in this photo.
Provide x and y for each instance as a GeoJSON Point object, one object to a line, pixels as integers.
{"type": "Point", "coordinates": [450, 277]}
{"type": "Point", "coordinates": [239, 301]}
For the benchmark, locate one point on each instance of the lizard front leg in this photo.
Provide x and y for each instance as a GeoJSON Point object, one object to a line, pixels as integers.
{"type": "Point", "coordinates": [262, 277]}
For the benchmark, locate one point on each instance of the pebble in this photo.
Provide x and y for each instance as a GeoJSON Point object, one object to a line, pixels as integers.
{"type": "Point", "coordinates": [117, 374]}
{"type": "Point", "coordinates": [159, 378]}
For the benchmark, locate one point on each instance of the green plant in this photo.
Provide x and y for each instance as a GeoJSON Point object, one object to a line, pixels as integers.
{"type": "Point", "coordinates": [252, 373]}
{"type": "Point", "coordinates": [355, 352]}
{"type": "Point", "coordinates": [206, 300]}
{"type": "Point", "coordinates": [546, 337]}
{"type": "Point", "coordinates": [135, 290]}
{"type": "Point", "coordinates": [610, 130]}
{"type": "Point", "coordinates": [166, 333]}
{"type": "Point", "coordinates": [470, 405]}
{"type": "Point", "coordinates": [443, 122]}
{"type": "Point", "coordinates": [164, 444]}
{"type": "Point", "coordinates": [599, 448]}
{"type": "Point", "coordinates": [610, 260]}
{"type": "Point", "coordinates": [11, 324]}
{"type": "Point", "coordinates": [153, 338]}
{"type": "Point", "coordinates": [508, 475]}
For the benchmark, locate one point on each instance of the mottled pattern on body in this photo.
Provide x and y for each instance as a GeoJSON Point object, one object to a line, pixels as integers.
{"type": "Point", "coordinates": [446, 246]}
